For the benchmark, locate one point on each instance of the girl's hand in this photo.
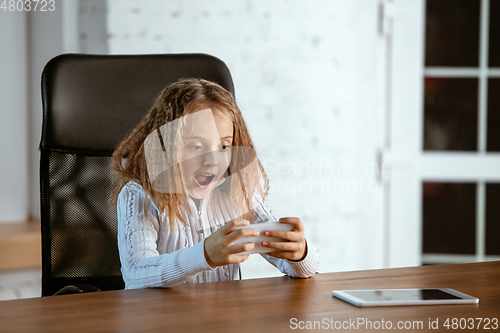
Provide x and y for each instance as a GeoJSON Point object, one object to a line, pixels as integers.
{"type": "Point", "coordinates": [219, 248]}
{"type": "Point", "coordinates": [295, 248]}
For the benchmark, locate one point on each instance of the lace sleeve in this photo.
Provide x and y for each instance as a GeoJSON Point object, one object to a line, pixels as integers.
{"type": "Point", "coordinates": [142, 265]}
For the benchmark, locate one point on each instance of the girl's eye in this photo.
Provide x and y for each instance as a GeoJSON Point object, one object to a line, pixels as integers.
{"type": "Point", "coordinates": [225, 148]}
{"type": "Point", "coordinates": [196, 147]}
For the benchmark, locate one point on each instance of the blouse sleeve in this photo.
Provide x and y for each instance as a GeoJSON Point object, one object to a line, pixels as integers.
{"type": "Point", "coordinates": [142, 265]}
{"type": "Point", "coordinates": [304, 268]}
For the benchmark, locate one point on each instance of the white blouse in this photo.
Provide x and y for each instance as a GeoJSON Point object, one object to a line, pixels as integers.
{"type": "Point", "coordinates": [152, 255]}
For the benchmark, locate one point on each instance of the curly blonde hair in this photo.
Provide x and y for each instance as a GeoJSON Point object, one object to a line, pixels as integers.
{"type": "Point", "coordinates": [177, 100]}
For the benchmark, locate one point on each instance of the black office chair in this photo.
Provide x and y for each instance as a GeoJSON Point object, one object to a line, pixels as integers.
{"type": "Point", "coordinates": [91, 103]}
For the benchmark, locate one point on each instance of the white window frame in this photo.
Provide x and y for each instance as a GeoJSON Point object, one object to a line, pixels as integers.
{"type": "Point", "coordinates": [404, 149]}
{"type": "Point", "coordinates": [402, 144]}
{"type": "Point", "coordinates": [479, 167]}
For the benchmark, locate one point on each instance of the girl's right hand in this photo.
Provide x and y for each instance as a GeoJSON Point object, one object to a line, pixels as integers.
{"type": "Point", "coordinates": [219, 248]}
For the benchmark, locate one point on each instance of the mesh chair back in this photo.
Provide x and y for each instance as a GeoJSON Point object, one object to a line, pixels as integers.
{"type": "Point", "coordinates": [90, 104]}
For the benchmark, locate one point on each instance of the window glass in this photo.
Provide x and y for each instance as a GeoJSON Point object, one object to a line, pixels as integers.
{"type": "Point", "coordinates": [449, 215]}
{"type": "Point", "coordinates": [452, 33]}
{"type": "Point", "coordinates": [450, 114]}
{"type": "Point", "coordinates": [494, 44]}
{"type": "Point", "coordinates": [493, 127]}
{"type": "Point", "coordinates": [493, 218]}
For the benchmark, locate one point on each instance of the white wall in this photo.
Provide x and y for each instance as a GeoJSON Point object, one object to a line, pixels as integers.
{"type": "Point", "coordinates": [45, 42]}
{"type": "Point", "coordinates": [28, 41]}
{"type": "Point", "coordinates": [14, 114]}
{"type": "Point", "coordinates": [91, 26]}
{"type": "Point", "coordinates": [309, 77]}
{"type": "Point", "coordinates": [309, 80]}
{"type": "Point", "coordinates": [75, 26]}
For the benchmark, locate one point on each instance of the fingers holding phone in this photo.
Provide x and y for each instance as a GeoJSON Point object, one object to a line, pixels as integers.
{"type": "Point", "coordinates": [294, 246]}
{"type": "Point", "coordinates": [219, 247]}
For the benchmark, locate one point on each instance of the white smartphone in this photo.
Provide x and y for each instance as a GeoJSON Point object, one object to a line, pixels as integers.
{"type": "Point", "coordinates": [392, 297]}
{"type": "Point", "coordinates": [261, 227]}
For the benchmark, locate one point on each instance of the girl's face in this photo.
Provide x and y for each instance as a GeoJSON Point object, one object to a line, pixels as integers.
{"type": "Point", "coordinates": [206, 151]}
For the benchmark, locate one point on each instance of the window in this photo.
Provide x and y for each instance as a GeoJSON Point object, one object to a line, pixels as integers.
{"type": "Point", "coordinates": [460, 162]}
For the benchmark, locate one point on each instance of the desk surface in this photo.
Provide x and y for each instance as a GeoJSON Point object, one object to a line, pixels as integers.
{"type": "Point", "coordinates": [261, 305]}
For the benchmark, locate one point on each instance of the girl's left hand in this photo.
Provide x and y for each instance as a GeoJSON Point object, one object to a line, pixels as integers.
{"type": "Point", "coordinates": [295, 248]}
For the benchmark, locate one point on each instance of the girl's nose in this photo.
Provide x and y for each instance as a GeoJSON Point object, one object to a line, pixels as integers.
{"type": "Point", "coordinates": [210, 159]}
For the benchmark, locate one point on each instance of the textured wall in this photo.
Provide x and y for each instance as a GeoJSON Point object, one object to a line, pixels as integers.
{"type": "Point", "coordinates": [92, 26]}
{"type": "Point", "coordinates": [309, 80]}
{"type": "Point", "coordinates": [33, 38]}
{"type": "Point", "coordinates": [45, 34]}
{"type": "Point", "coordinates": [14, 114]}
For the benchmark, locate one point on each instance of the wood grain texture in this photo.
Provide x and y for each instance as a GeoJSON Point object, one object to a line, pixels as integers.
{"type": "Point", "coordinates": [260, 305]}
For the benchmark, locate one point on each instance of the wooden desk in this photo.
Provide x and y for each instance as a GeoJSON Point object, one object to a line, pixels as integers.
{"type": "Point", "coordinates": [261, 305]}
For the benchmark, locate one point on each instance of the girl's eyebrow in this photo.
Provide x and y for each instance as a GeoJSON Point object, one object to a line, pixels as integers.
{"type": "Point", "coordinates": [197, 137]}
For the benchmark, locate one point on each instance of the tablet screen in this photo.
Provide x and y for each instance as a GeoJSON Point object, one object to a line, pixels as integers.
{"type": "Point", "coordinates": [401, 295]}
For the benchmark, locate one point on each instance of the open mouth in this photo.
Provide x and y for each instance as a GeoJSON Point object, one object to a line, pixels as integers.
{"type": "Point", "coordinates": [203, 180]}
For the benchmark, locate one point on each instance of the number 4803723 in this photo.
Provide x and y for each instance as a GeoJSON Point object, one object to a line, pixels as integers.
{"type": "Point", "coordinates": [28, 5]}
{"type": "Point", "coordinates": [471, 323]}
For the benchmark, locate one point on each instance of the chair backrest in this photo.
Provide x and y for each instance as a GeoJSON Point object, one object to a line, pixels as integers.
{"type": "Point", "coordinates": [90, 104]}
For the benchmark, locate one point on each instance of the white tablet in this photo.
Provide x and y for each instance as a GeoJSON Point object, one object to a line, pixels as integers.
{"type": "Point", "coordinates": [261, 227]}
{"type": "Point", "coordinates": [392, 297]}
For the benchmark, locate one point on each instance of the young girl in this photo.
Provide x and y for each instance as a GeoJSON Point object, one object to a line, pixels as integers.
{"type": "Point", "coordinates": [188, 176]}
